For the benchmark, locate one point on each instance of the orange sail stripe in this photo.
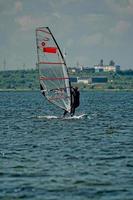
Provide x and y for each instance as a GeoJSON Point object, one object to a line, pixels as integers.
{"type": "Point", "coordinates": [53, 78]}
{"type": "Point", "coordinates": [58, 97]}
{"type": "Point", "coordinates": [52, 63]}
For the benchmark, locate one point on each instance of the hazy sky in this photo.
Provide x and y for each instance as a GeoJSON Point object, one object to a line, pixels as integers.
{"type": "Point", "coordinates": [89, 30]}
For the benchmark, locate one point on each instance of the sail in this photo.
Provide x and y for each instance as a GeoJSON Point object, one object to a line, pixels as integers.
{"type": "Point", "coordinates": [53, 72]}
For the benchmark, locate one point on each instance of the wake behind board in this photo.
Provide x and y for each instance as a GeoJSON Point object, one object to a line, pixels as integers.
{"type": "Point", "coordinates": [49, 117]}
{"type": "Point", "coordinates": [80, 116]}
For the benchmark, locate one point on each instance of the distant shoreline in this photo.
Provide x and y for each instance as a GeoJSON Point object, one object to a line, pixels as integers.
{"type": "Point", "coordinates": [82, 89]}
{"type": "Point", "coordinates": [18, 90]}
{"type": "Point", "coordinates": [27, 80]}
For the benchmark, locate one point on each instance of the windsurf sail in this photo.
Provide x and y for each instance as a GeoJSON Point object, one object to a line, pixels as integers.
{"type": "Point", "coordinates": [53, 72]}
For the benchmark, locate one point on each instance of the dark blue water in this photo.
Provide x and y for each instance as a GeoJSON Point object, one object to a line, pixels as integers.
{"type": "Point", "coordinates": [86, 159]}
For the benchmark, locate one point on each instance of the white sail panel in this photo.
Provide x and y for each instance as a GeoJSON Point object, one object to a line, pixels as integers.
{"type": "Point", "coordinates": [53, 74]}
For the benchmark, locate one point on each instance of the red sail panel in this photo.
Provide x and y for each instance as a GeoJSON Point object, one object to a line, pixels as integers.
{"type": "Point", "coordinates": [49, 49]}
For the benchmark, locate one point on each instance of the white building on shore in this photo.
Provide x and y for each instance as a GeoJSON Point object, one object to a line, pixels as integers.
{"type": "Point", "coordinates": [106, 68]}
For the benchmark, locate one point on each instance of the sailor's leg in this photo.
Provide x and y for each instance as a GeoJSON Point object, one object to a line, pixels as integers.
{"type": "Point", "coordinates": [65, 112]}
{"type": "Point", "coordinates": [73, 111]}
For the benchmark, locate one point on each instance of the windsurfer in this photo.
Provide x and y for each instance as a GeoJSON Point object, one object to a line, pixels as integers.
{"type": "Point", "coordinates": [75, 100]}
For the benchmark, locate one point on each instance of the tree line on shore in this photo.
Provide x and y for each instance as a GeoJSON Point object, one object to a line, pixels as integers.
{"type": "Point", "coordinates": [23, 79]}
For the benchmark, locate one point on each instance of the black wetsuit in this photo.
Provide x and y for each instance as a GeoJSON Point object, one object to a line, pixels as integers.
{"type": "Point", "coordinates": [75, 101]}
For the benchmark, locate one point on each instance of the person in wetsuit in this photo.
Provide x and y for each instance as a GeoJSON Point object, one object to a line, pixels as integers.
{"type": "Point", "coordinates": [75, 100]}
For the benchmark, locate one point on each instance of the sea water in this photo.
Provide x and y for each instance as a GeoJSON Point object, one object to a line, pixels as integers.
{"type": "Point", "coordinates": [83, 159]}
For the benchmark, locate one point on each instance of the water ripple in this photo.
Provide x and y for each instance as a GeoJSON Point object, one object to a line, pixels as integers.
{"type": "Point", "coordinates": [55, 159]}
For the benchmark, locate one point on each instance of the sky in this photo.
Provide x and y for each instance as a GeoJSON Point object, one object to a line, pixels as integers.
{"type": "Point", "coordinates": [88, 30]}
